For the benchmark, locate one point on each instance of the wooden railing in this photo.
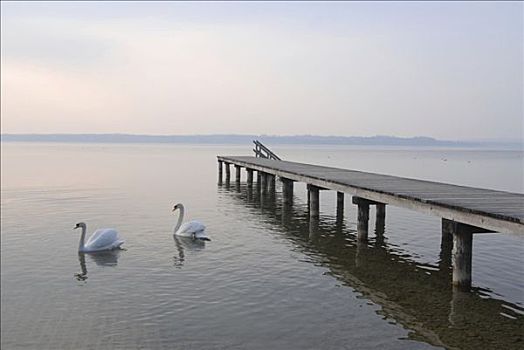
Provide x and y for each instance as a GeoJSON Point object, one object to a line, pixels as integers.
{"type": "Point", "coordinates": [262, 151]}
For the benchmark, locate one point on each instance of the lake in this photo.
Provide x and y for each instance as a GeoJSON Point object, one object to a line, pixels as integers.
{"type": "Point", "coordinates": [266, 280]}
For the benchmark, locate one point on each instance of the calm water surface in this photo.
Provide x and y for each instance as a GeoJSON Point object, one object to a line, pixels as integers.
{"type": "Point", "coordinates": [268, 279]}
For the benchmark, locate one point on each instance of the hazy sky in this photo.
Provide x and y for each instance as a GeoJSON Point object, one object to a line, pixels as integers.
{"type": "Point", "coordinates": [446, 70]}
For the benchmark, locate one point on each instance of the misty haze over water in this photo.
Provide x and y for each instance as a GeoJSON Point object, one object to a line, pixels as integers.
{"type": "Point", "coordinates": [422, 141]}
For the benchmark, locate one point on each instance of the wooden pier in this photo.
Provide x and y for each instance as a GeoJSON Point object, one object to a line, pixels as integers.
{"type": "Point", "coordinates": [464, 210]}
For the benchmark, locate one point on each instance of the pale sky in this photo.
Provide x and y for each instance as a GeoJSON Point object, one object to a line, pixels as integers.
{"type": "Point", "coordinates": [446, 70]}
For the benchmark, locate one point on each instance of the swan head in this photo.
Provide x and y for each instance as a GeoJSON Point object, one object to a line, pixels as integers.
{"type": "Point", "coordinates": [79, 225]}
{"type": "Point", "coordinates": [177, 206]}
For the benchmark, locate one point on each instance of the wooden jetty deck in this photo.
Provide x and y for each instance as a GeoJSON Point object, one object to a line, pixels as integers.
{"type": "Point", "coordinates": [464, 210]}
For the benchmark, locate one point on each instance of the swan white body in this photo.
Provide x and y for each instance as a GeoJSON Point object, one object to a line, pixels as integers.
{"type": "Point", "coordinates": [193, 229]}
{"type": "Point", "coordinates": [102, 239]}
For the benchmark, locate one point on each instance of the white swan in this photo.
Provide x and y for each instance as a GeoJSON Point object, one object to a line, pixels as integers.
{"type": "Point", "coordinates": [193, 229]}
{"type": "Point", "coordinates": [101, 239]}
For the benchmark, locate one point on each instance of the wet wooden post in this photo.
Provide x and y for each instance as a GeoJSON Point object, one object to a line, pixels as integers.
{"type": "Point", "coordinates": [249, 177]}
{"type": "Point", "coordinates": [237, 174]}
{"type": "Point", "coordinates": [340, 210]}
{"type": "Point", "coordinates": [314, 201]}
{"type": "Point", "coordinates": [380, 223]}
{"type": "Point", "coordinates": [259, 180]}
{"type": "Point", "coordinates": [446, 245]}
{"type": "Point", "coordinates": [380, 213]}
{"type": "Point", "coordinates": [272, 185]}
{"type": "Point", "coordinates": [362, 218]}
{"type": "Point", "coordinates": [340, 202]}
{"type": "Point", "coordinates": [263, 182]}
{"type": "Point", "coordinates": [462, 251]}
{"type": "Point", "coordinates": [461, 256]}
{"type": "Point", "coordinates": [220, 171]}
{"type": "Point", "coordinates": [287, 190]}
{"type": "Point", "coordinates": [228, 173]}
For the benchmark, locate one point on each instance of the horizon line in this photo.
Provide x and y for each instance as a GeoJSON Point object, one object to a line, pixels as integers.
{"type": "Point", "coordinates": [28, 136]}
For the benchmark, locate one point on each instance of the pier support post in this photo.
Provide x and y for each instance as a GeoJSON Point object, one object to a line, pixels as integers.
{"type": "Point", "coordinates": [263, 182]}
{"type": "Point", "coordinates": [446, 245]}
{"type": "Point", "coordinates": [272, 185]}
{"type": "Point", "coordinates": [220, 172]}
{"type": "Point", "coordinates": [228, 173]}
{"type": "Point", "coordinates": [340, 210]}
{"type": "Point", "coordinates": [287, 190]}
{"type": "Point", "coordinates": [462, 250]}
{"type": "Point", "coordinates": [461, 256]}
{"type": "Point", "coordinates": [249, 177]}
{"type": "Point", "coordinates": [340, 202]}
{"type": "Point", "coordinates": [380, 222]}
{"type": "Point", "coordinates": [380, 213]}
{"type": "Point", "coordinates": [314, 202]}
{"type": "Point", "coordinates": [362, 219]}
{"type": "Point", "coordinates": [237, 174]}
{"type": "Point", "coordinates": [259, 179]}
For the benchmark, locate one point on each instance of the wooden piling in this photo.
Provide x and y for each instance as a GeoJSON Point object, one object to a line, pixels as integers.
{"type": "Point", "coordinates": [462, 249]}
{"type": "Point", "coordinates": [263, 182]}
{"type": "Point", "coordinates": [362, 218]}
{"type": "Point", "coordinates": [271, 184]}
{"type": "Point", "coordinates": [380, 212]}
{"type": "Point", "coordinates": [237, 174]}
{"type": "Point", "coordinates": [220, 172]}
{"type": "Point", "coordinates": [228, 173]}
{"type": "Point", "coordinates": [249, 177]}
{"type": "Point", "coordinates": [287, 190]}
{"type": "Point", "coordinates": [446, 245]}
{"type": "Point", "coordinates": [259, 180]}
{"type": "Point", "coordinates": [340, 202]}
{"type": "Point", "coordinates": [314, 201]}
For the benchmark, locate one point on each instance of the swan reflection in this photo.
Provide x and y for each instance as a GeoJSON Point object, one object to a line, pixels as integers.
{"type": "Point", "coordinates": [184, 244]}
{"type": "Point", "coordinates": [104, 258]}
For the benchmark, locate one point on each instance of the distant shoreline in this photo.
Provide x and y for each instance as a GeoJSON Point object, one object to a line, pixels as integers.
{"type": "Point", "coordinates": [420, 141]}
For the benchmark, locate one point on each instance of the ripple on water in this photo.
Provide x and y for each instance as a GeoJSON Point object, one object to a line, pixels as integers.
{"type": "Point", "coordinates": [268, 278]}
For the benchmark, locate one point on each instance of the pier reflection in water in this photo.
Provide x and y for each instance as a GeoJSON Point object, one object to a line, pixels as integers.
{"type": "Point", "coordinates": [418, 296]}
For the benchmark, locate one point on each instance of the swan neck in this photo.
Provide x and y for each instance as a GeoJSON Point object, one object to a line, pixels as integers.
{"type": "Point", "coordinates": [180, 219]}
{"type": "Point", "coordinates": [81, 244]}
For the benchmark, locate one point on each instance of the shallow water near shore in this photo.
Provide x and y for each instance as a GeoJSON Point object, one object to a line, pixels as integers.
{"type": "Point", "coordinates": [269, 278]}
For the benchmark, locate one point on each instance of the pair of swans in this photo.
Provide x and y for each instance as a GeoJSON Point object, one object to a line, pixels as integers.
{"type": "Point", "coordinates": [109, 239]}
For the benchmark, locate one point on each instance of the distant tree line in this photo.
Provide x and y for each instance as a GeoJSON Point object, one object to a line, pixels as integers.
{"type": "Point", "coordinates": [243, 139]}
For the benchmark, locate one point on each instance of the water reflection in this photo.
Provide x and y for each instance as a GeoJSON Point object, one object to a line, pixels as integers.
{"type": "Point", "coordinates": [184, 244]}
{"type": "Point", "coordinates": [105, 258]}
{"type": "Point", "coordinates": [418, 296]}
